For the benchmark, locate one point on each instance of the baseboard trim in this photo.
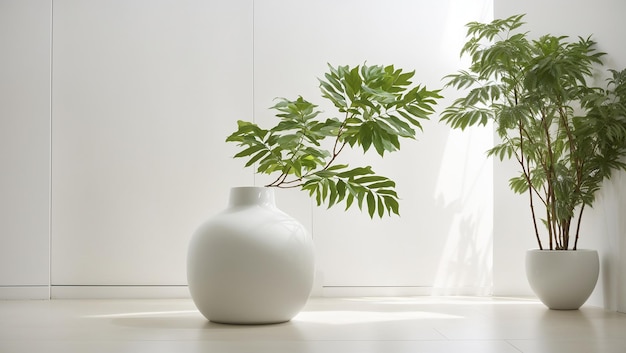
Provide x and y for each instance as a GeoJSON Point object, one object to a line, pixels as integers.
{"type": "Point", "coordinates": [182, 292]}
{"type": "Point", "coordinates": [24, 292]}
{"type": "Point", "coordinates": [356, 291]}
{"type": "Point", "coordinates": [120, 292]}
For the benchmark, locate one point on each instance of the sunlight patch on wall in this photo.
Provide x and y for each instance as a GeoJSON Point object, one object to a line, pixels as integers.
{"type": "Point", "coordinates": [465, 191]}
{"type": "Point", "coordinates": [465, 182]}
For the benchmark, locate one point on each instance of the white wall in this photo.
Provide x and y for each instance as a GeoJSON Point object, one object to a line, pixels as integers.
{"type": "Point", "coordinates": [24, 147]}
{"type": "Point", "coordinates": [143, 95]}
{"type": "Point", "coordinates": [441, 178]}
{"type": "Point", "coordinates": [144, 92]}
{"type": "Point", "coordinates": [605, 226]}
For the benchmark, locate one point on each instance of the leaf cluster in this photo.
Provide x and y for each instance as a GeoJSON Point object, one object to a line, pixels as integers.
{"type": "Point", "coordinates": [566, 135]}
{"type": "Point", "coordinates": [378, 106]}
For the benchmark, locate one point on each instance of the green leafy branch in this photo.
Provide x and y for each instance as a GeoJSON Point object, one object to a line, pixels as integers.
{"type": "Point", "coordinates": [378, 107]}
{"type": "Point", "coordinates": [566, 136]}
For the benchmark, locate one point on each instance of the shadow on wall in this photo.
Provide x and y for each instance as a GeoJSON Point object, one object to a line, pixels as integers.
{"type": "Point", "coordinates": [600, 231]}
{"type": "Point", "coordinates": [465, 193]}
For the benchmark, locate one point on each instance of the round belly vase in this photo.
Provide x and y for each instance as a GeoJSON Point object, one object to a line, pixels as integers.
{"type": "Point", "coordinates": [562, 279]}
{"type": "Point", "coordinates": [251, 263]}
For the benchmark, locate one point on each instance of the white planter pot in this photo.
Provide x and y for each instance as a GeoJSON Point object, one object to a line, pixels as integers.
{"type": "Point", "coordinates": [252, 263]}
{"type": "Point", "coordinates": [562, 280]}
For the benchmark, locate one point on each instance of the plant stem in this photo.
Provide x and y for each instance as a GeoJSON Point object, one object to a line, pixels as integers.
{"type": "Point", "coordinates": [552, 217]}
{"type": "Point", "coordinates": [336, 149]}
{"type": "Point", "coordinates": [525, 171]}
{"type": "Point", "coordinates": [580, 217]}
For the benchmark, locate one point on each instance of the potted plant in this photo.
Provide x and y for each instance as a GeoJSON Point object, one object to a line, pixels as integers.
{"type": "Point", "coordinates": [253, 263]}
{"type": "Point", "coordinates": [566, 135]}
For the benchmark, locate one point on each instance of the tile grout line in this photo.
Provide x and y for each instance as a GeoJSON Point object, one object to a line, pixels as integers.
{"type": "Point", "coordinates": [512, 345]}
{"type": "Point", "coordinates": [442, 335]}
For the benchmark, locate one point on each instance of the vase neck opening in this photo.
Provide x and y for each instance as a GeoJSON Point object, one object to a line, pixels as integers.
{"type": "Point", "coordinates": [251, 195]}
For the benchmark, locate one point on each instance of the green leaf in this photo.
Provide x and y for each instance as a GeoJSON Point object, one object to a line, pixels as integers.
{"type": "Point", "coordinates": [333, 193]}
{"type": "Point", "coordinates": [391, 204]}
{"type": "Point", "coordinates": [355, 172]}
{"type": "Point", "coordinates": [250, 150]}
{"type": "Point", "coordinates": [371, 204]}
{"type": "Point", "coordinates": [369, 179]}
{"type": "Point", "coordinates": [256, 157]}
{"type": "Point", "coordinates": [349, 200]}
{"type": "Point", "coordinates": [377, 106]}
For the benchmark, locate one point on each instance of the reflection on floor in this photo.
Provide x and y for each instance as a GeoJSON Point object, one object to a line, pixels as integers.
{"type": "Point", "coordinates": [342, 325]}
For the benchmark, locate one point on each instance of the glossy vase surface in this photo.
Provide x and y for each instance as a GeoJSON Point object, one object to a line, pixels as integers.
{"type": "Point", "coordinates": [251, 263]}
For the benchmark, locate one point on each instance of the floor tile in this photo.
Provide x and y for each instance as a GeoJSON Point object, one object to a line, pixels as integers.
{"type": "Point", "coordinates": [390, 325]}
{"type": "Point", "coordinates": [571, 345]}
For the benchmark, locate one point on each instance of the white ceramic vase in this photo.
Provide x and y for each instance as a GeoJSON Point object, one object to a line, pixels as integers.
{"type": "Point", "coordinates": [252, 263]}
{"type": "Point", "coordinates": [562, 279]}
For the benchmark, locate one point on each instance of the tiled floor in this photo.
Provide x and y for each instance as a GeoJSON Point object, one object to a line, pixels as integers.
{"type": "Point", "coordinates": [386, 325]}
